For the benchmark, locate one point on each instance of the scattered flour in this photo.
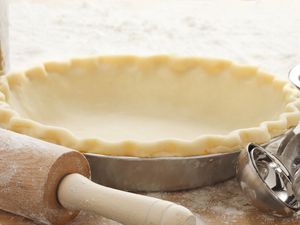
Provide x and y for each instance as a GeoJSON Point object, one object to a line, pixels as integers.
{"type": "Point", "coordinates": [7, 175]}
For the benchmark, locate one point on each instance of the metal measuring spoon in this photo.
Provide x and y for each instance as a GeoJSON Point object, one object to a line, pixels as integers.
{"type": "Point", "coordinates": [266, 181]}
{"type": "Point", "coordinates": [272, 180]}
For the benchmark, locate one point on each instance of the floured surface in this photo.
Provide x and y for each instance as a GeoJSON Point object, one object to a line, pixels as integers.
{"type": "Point", "coordinates": [263, 32]}
{"type": "Point", "coordinates": [222, 204]}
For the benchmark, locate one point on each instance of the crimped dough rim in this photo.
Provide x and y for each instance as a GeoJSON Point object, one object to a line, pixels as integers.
{"type": "Point", "coordinates": [202, 145]}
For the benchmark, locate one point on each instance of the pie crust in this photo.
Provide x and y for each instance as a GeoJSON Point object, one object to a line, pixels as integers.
{"type": "Point", "coordinates": [148, 106]}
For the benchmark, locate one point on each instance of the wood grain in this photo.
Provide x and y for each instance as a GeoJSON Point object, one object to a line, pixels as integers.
{"type": "Point", "coordinates": [30, 172]}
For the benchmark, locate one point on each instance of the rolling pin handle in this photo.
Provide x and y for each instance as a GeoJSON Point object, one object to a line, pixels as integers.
{"type": "Point", "coordinates": [79, 193]}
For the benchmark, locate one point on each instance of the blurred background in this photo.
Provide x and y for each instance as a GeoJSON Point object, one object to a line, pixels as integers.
{"type": "Point", "coordinates": [262, 32]}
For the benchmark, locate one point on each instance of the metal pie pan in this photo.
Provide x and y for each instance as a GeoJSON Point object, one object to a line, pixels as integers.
{"type": "Point", "coordinates": [162, 173]}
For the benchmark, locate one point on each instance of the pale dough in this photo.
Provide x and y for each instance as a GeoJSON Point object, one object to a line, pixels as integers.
{"type": "Point", "coordinates": [149, 106]}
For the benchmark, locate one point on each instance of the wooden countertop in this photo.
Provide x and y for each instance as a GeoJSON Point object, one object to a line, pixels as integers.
{"type": "Point", "coordinates": [221, 204]}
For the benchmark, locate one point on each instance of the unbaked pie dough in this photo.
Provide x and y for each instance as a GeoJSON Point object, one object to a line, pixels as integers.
{"type": "Point", "coordinates": [148, 106]}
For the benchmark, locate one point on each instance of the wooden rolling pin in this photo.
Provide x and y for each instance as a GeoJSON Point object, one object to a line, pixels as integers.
{"type": "Point", "coordinates": [49, 184]}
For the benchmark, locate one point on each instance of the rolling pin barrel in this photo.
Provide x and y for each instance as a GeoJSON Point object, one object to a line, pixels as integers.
{"type": "Point", "coordinates": [30, 173]}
